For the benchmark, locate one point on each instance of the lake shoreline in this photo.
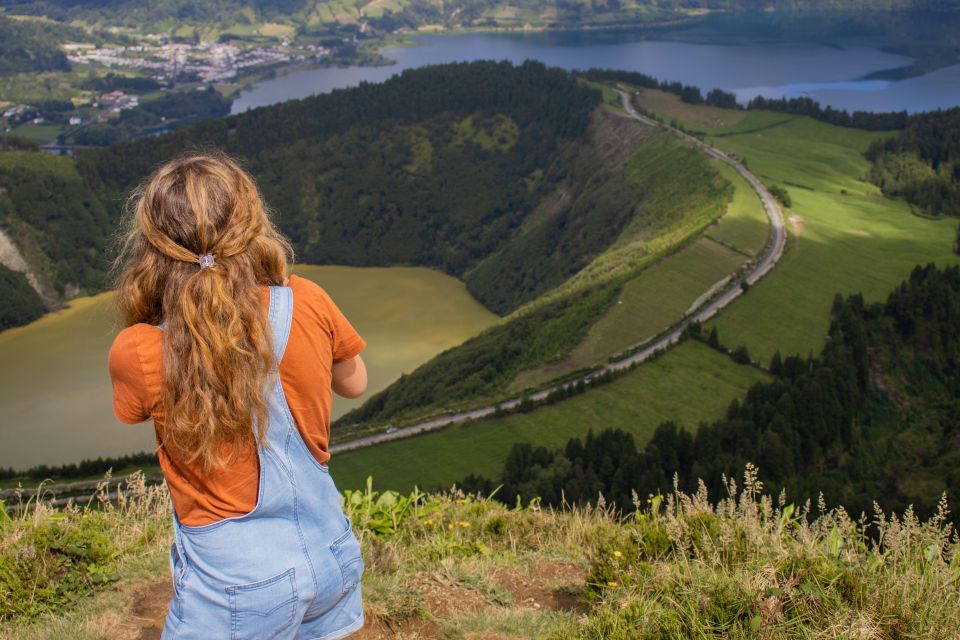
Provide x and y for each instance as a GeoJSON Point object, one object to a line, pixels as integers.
{"type": "Point", "coordinates": [880, 72]}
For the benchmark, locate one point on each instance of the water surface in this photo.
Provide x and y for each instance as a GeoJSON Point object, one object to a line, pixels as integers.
{"type": "Point", "coordinates": [55, 397]}
{"type": "Point", "coordinates": [749, 56]}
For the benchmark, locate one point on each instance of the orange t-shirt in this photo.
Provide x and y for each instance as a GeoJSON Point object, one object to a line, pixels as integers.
{"type": "Point", "coordinates": [319, 336]}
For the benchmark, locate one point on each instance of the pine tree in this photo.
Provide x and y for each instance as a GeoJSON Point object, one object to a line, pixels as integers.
{"type": "Point", "coordinates": [776, 364]}
{"type": "Point", "coordinates": [714, 339]}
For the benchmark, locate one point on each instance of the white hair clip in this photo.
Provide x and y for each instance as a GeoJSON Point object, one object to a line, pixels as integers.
{"type": "Point", "coordinates": [207, 261]}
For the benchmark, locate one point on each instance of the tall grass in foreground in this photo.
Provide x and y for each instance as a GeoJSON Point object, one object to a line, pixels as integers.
{"type": "Point", "coordinates": [52, 558]}
{"type": "Point", "coordinates": [452, 565]}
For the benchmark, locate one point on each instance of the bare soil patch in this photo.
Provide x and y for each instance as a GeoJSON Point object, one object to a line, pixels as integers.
{"type": "Point", "coordinates": [548, 584]}
{"type": "Point", "coordinates": [672, 106]}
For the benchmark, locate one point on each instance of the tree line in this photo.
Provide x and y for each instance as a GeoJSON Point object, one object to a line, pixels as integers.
{"type": "Point", "coordinates": [922, 165]}
{"type": "Point", "coordinates": [873, 417]}
{"type": "Point", "coordinates": [868, 120]}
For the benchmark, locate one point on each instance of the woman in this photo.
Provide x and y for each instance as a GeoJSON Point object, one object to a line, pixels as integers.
{"type": "Point", "coordinates": [235, 364]}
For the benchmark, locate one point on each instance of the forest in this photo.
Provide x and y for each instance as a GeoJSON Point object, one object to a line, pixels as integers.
{"type": "Point", "coordinates": [32, 45]}
{"type": "Point", "coordinates": [21, 304]}
{"type": "Point", "coordinates": [445, 162]}
{"type": "Point", "coordinates": [922, 165]}
{"type": "Point", "coordinates": [406, 172]}
{"type": "Point", "coordinates": [877, 413]}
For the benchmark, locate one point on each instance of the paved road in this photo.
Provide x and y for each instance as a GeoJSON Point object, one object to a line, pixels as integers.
{"type": "Point", "coordinates": [761, 267]}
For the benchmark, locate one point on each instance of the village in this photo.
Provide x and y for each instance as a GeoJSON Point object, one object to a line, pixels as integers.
{"type": "Point", "coordinates": [164, 63]}
{"type": "Point", "coordinates": [207, 61]}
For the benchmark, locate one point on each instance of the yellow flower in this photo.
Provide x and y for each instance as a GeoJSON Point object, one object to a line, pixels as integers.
{"type": "Point", "coordinates": [617, 554]}
{"type": "Point", "coordinates": [611, 584]}
{"type": "Point", "coordinates": [464, 524]}
{"type": "Point", "coordinates": [460, 501]}
{"type": "Point", "coordinates": [428, 522]}
{"type": "Point", "coordinates": [449, 526]}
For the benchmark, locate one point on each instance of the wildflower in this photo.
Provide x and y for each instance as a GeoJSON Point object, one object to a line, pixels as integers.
{"type": "Point", "coordinates": [460, 501]}
{"type": "Point", "coordinates": [617, 554]}
{"type": "Point", "coordinates": [611, 584]}
{"type": "Point", "coordinates": [428, 522]}
{"type": "Point", "coordinates": [463, 523]}
{"type": "Point", "coordinates": [450, 526]}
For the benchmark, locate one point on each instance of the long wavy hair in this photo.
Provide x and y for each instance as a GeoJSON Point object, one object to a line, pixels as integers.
{"type": "Point", "coordinates": [217, 345]}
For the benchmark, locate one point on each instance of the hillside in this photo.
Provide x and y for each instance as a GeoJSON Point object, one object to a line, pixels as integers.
{"type": "Point", "coordinates": [60, 226]}
{"type": "Point", "coordinates": [377, 175]}
{"type": "Point", "coordinates": [871, 420]}
{"type": "Point", "coordinates": [844, 236]}
{"type": "Point", "coordinates": [34, 45]}
{"type": "Point", "coordinates": [459, 566]}
{"type": "Point", "coordinates": [314, 15]}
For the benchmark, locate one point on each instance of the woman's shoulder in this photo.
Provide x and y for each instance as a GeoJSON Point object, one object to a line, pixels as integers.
{"type": "Point", "coordinates": [307, 292]}
{"type": "Point", "coordinates": [135, 334]}
{"type": "Point", "coordinates": [134, 351]}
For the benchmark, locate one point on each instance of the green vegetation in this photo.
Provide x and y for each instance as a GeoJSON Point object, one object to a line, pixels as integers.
{"type": "Point", "coordinates": [21, 304]}
{"type": "Point", "coordinates": [637, 402]}
{"type": "Point", "coordinates": [250, 18]}
{"type": "Point", "coordinates": [781, 194]}
{"type": "Point", "coordinates": [744, 227]}
{"type": "Point", "coordinates": [384, 174]}
{"type": "Point", "coordinates": [485, 364]}
{"type": "Point", "coordinates": [670, 193]}
{"type": "Point", "coordinates": [923, 164]}
{"type": "Point", "coordinates": [56, 219]}
{"type": "Point", "coordinates": [843, 235]}
{"type": "Point", "coordinates": [34, 45]}
{"type": "Point", "coordinates": [455, 566]}
{"type": "Point", "coordinates": [871, 421]}
{"type": "Point", "coordinates": [653, 301]}
{"type": "Point", "coordinates": [50, 559]}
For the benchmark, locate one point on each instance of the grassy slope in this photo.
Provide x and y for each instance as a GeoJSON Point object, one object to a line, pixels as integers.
{"type": "Point", "coordinates": [844, 235]}
{"type": "Point", "coordinates": [839, 242]}
{"type": "Point", "coordinates": [745, 226]}
{"type": "Point", "coordinates": [691, 384]}
{"type": "Point", "coordinates": [450, 566]}
{"type": "Point", "coordinates": [664, 291]}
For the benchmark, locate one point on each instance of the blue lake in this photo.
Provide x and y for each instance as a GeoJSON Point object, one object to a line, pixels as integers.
{"type": "Point", "coordinates": [750, 62]}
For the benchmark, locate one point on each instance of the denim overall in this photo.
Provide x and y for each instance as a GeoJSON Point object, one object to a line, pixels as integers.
{"type": "Point", "coordinates": [288, 569]}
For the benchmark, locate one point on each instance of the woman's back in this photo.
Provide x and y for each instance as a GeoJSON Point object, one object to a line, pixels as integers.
{"type": "Point", "coordinates": [320, 335]}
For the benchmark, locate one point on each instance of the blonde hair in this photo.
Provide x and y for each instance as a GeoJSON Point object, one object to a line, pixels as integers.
{"type": "Point", "coordinates": [217, 347]}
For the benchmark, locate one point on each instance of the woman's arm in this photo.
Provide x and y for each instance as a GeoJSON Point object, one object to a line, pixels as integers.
{"type": "Point", "coordinates": [349, 377]}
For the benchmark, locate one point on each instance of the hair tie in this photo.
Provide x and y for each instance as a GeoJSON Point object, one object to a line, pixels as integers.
{"type": "Point", "coordinates": [206, 261]}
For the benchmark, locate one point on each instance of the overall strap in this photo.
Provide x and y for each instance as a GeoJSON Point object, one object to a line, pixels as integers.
{"type": "Point", "coordinates": [281, 316]}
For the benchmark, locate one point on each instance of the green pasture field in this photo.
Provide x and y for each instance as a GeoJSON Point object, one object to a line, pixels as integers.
{"type": "Point", "coordinates": [745, 226]}
{"type": "Point", "coordinates": [660, 295]}
{"type": "Point", "coordinates": [690, 384]}
{"type": "Point", "coordinates": [39, 133]}
{"type": "Point", "coordinates": [844, 235]}
{"type": "Point", "coordinates": [657, 298]}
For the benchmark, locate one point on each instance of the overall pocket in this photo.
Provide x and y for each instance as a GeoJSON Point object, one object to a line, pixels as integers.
{"type": "Point", "coordinates": [346, 551]}
{"type": "Point", "coordinates": [264, 609]}
{"type": "Point", "coordinates": [178, 571]}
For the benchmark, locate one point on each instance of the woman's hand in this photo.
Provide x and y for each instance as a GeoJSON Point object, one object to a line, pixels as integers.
{"type": "Point", "coordinates": [349, 377]}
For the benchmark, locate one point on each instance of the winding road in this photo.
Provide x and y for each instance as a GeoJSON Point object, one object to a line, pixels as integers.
{"type": "Point", "coordinates": [760, 267]}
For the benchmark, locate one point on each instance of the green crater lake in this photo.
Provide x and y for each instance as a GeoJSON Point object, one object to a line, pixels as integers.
{"type": "Point", "coordinates": [55, 397]}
